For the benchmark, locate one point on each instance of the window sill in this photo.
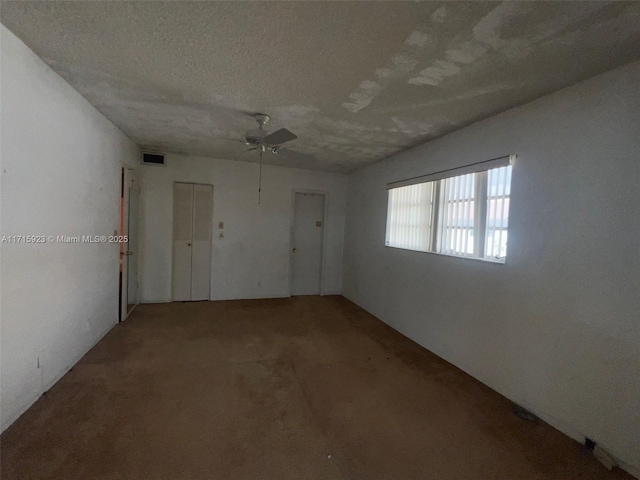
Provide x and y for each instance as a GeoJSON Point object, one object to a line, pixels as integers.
{"type": "Point", "coordinates": [501, 261]}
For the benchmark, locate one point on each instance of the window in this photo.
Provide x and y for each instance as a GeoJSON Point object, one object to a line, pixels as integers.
{"type": "Point", "coordinates": [409, 217]}
{"type": "Point", "coordinates": [457, 212]}
{"type": "Point", "coordinates": [464, 215]}
{"type": "Point", "coordinates": [498, 192]}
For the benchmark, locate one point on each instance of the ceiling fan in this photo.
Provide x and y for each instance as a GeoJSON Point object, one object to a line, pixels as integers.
{"type": "Point", "coordinates": [260, 139]}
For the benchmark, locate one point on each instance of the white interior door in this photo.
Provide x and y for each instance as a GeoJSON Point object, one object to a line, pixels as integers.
{"type": "Point", "coordinates": [192, 219]}
{"type": "Point", "coordinates": [308, 226]}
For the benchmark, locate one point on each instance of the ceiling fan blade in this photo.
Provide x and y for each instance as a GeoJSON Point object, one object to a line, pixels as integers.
{"type": "Point", "coordinates": [233, 140]}
{"type": "Point", "coordinates": [279, 137]}
{"type": "Point", "coordinates": [300, 158]}
{"type": "Point", "coordinates": [242, 155]}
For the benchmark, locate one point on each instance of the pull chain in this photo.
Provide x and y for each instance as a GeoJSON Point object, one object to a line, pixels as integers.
{"type": "Point", "coordinates": [260, 178]}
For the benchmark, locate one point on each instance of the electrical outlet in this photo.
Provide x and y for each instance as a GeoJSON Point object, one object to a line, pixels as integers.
{"type": "Point", "coordinates": [221, 235]}
{"type": "Point", "coordinates": [259, 284]}
{"type": "Point", "coordinates": [221, 225]}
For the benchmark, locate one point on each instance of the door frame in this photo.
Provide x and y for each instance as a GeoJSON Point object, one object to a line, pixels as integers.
{"type": "Point", "coordinates": [129, 179]}
{"type": "Point", "coordinates": [211, 229]}
{"type": "Point", "coordinates": [325, 215]}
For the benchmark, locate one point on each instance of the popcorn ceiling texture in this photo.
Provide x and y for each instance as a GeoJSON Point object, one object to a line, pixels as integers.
{"type": "Point", "coordinates": [356, 81]}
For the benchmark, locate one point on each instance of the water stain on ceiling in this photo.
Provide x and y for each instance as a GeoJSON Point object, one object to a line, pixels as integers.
{"type": "Point", "coordinates": [356, 81]}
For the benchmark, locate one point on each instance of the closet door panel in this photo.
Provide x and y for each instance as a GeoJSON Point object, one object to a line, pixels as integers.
{"type": "Point", "coordinates": [201, 257]}
{"type": "Point", "coordinates": [182, 240]}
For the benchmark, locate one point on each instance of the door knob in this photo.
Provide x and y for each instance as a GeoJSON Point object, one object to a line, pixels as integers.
{"type": "Point", "coordinates": [128, 253]}
{"type": "Point", "coordinates": [295, 250]}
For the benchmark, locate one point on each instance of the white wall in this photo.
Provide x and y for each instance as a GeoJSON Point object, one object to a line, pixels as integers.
{"type": "Point", "coordinates": [257, 237]}
{"type": "Point", "coordinates": [60, 171]}
{"type": "Point", "coordinates": [557, 328]}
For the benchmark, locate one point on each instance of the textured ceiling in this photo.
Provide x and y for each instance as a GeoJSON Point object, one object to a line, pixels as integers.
{"type": "Point", "coordinates": [356, 81]}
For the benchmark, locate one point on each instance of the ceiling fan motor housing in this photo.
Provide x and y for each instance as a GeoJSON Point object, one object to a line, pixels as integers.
{"type": "Point", "coordinates": [255, 136]}
{"type": "Point", "coordinates": [262, 119]}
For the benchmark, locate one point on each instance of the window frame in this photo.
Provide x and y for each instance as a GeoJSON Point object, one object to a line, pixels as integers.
{"type": "Point", "coordinates": [480, 212]}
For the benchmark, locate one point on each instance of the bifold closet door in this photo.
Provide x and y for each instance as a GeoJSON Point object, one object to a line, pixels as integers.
{"type": "Point", "coordinates": [192, 216]}
{"type": "Point", "coordinates": [201, 245]}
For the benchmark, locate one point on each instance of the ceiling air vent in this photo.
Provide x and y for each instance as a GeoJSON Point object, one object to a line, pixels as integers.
{"type": "Point", "coordinates": [152, 159]}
